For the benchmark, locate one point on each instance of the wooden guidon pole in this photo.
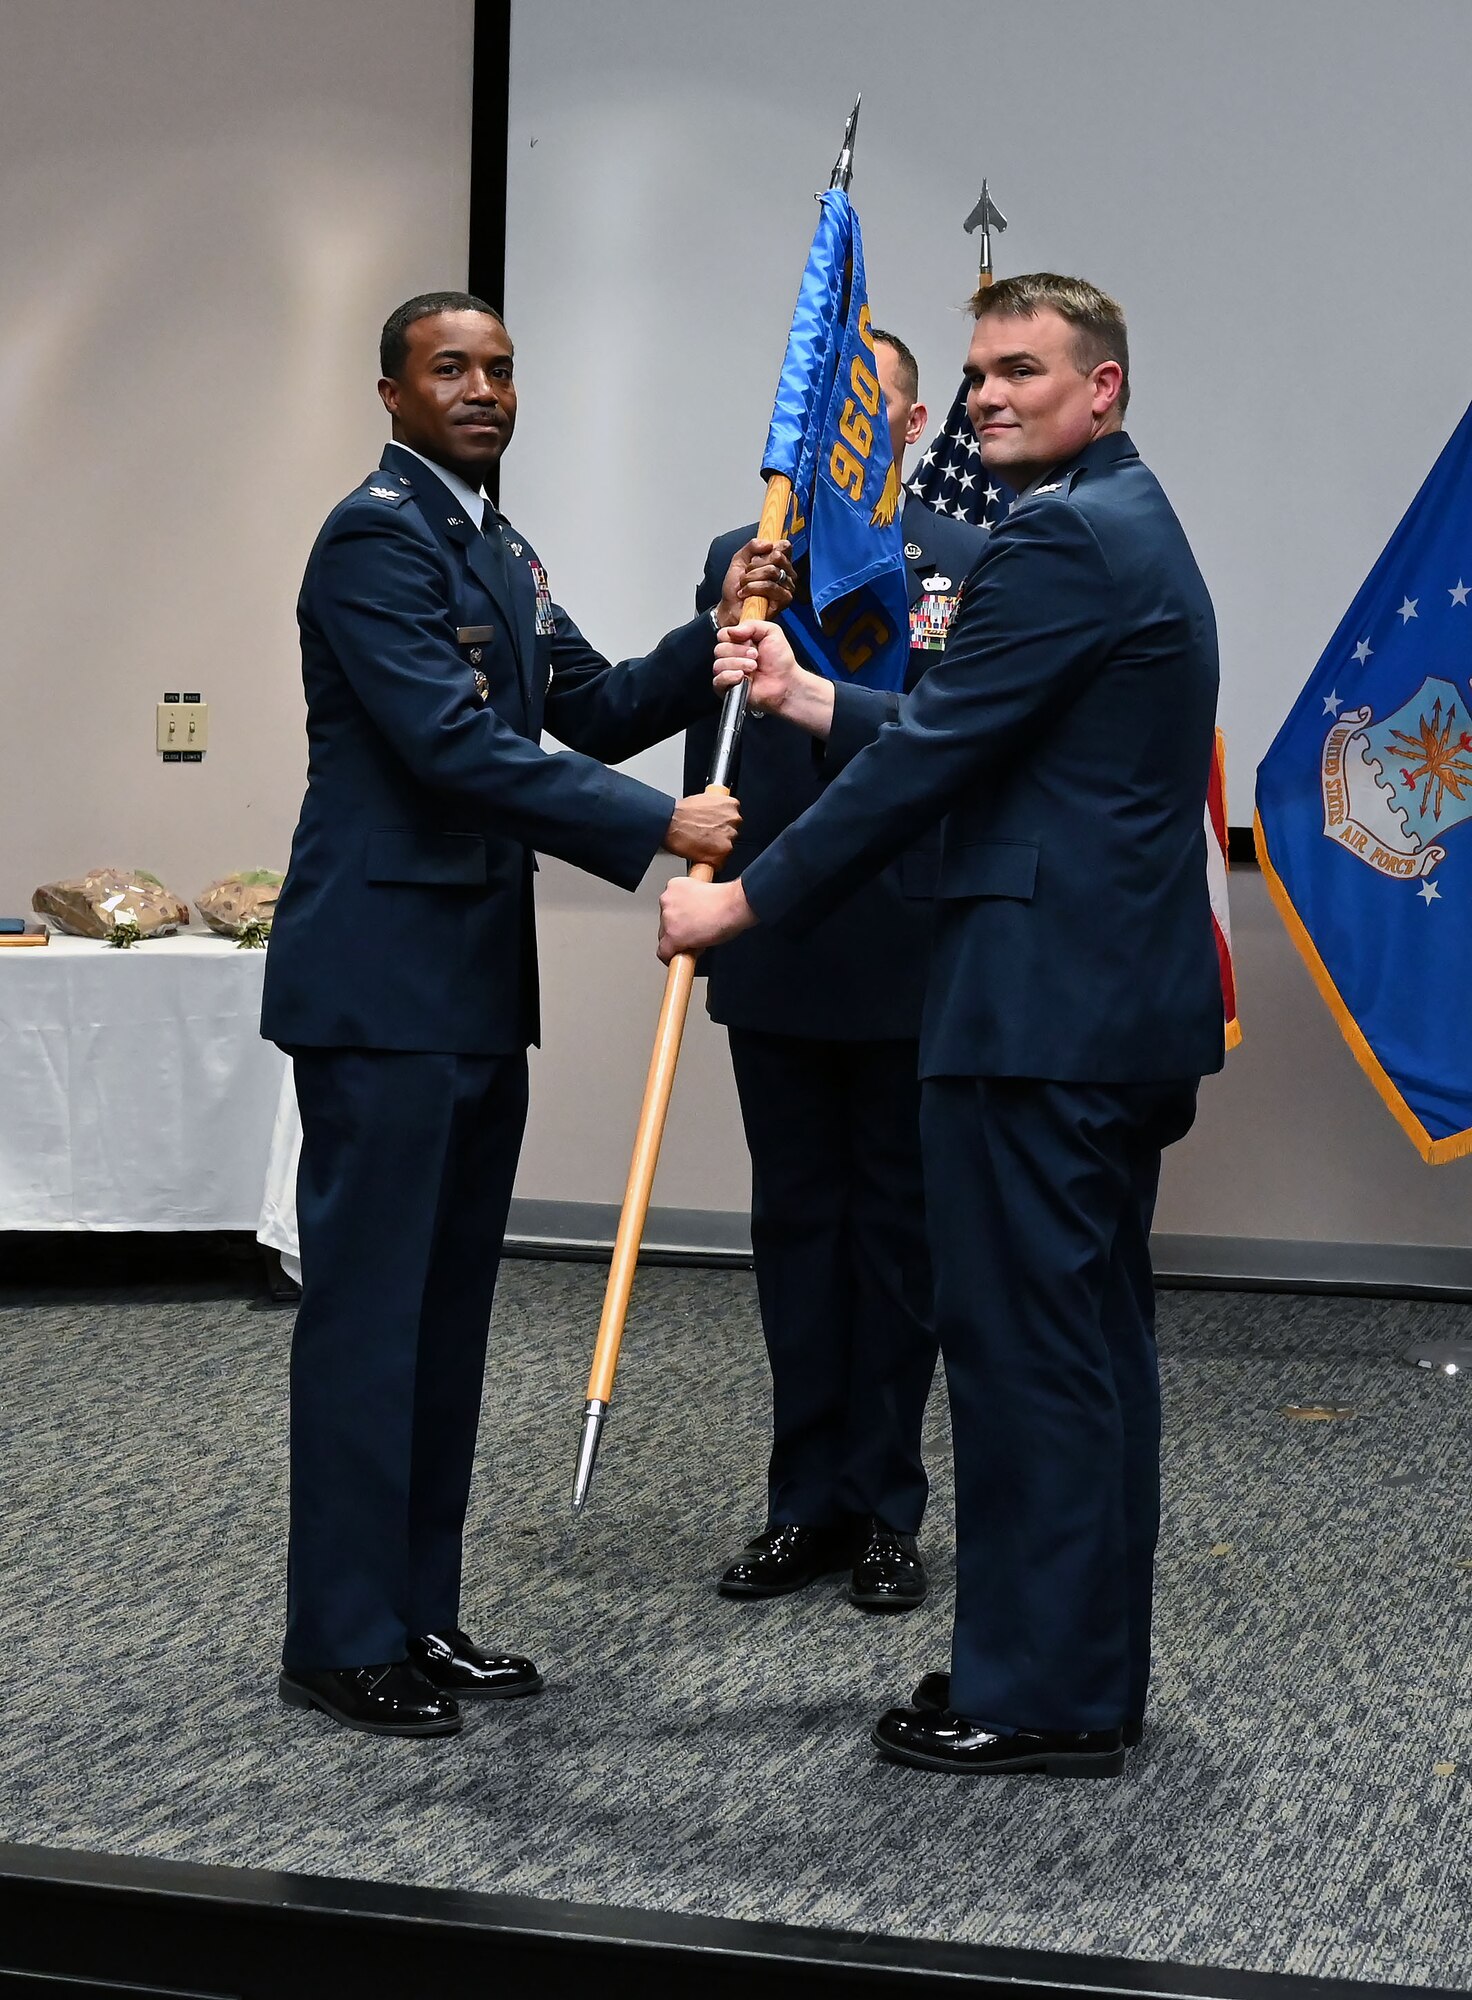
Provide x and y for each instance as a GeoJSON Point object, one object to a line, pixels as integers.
{"type": "Point", "coordinates": [679, 979]}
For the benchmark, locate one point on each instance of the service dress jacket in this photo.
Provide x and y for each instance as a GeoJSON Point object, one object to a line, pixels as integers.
{"type": "Point", "coordinates": [1065, 738]}
{"type": "Point", "coordinates": [432, 658]}
{"type": "Point", "coordinates": [859, 974]}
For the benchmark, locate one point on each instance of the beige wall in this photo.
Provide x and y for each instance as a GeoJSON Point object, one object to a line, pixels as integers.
{"type": "Point", "coordinates": [207, 207]}
{"type": "Point", "coordinates": [601, 988]}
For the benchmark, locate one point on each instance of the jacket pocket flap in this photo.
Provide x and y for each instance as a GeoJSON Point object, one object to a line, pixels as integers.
{"type": "Point", "coordinates": [990, 868]}
{"type": "Point", "coordinates": [402, 854]}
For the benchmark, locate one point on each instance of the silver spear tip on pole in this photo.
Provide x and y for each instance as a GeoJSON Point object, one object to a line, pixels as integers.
{"type": "Point", "coordinates": [592, 1431]}
{"type": "Point", "coordinates": [843, 166]}
{"type": "Point", "coordinates": [986, 217]}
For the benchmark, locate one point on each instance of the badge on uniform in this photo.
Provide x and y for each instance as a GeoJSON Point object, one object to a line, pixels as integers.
{"type": "Point", "coordinates": [475, 638]}
{"type": "Point", "coordinates": [546, 623]}
{"type": "Point", "coordinates": [932, 614]}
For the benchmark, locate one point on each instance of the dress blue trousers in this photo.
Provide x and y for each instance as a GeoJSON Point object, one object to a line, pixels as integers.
{"type": "Point", "coordinates": [1040, 1197]}
{"type": "Point", "coordinates": [405, 1181]}
{"type": "Point", "coordinates": [842, 1272]}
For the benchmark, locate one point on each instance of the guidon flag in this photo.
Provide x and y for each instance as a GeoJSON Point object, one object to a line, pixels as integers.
{"type": "Point", "coordinates": [830, 436]}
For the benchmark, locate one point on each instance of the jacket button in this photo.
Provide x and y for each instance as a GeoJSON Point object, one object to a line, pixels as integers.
{"type": "Point", "coordinates": [475, 656]}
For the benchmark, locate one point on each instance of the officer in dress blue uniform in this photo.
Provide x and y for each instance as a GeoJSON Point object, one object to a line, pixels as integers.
{"type": "Point", "coordinates": [402, 980]}
{"type": "Point", "coordinates": [824, 1033]}
{"type": "Point", "coordinates": [1074, 1002]}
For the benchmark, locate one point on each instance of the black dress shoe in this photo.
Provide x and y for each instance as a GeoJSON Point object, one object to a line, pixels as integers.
{"type": "Point", "coordinates": [890, 1572]}
{"type": "Point", "coordinates": [394, 1700]}
{"type": "Point", "coordinates": [934, 1691]}
{"type": "Point", "coordinates": [936, 1740]}
{"type": "Point", "coordinates": [457, 1664]}
{"type": "Point", "coordinates": [787, 1558]}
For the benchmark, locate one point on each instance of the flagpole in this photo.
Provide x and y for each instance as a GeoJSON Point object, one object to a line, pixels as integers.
{"type": "Point", "coordinates": [670, 1028]}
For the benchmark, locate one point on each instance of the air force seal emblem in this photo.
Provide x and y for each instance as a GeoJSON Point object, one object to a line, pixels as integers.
{"type": "Point", "coordinates": [1393, 790]}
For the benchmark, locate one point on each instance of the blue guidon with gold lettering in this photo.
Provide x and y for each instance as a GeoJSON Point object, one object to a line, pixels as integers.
{"type": "Point", "coordinates": [829, 435]}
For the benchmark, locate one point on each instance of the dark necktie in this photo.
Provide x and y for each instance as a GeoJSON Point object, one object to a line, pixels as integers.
{"type": "Point", "coordinates": [490, 529]}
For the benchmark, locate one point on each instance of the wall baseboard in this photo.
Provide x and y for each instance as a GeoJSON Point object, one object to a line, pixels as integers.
{"type": "Point", "coordinates": [1398, 1270]}
{"type": "Point", "coordinates": [587, 1229]}
{"type": "Point", "coordinates": [723, 1236]}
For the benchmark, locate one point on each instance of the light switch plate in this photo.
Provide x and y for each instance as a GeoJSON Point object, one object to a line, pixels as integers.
{"type": "Point", "coordinates": [183, 727]}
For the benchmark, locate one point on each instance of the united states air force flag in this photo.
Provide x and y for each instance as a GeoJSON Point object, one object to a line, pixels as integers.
{"type": "Point", "coordinates": [1361, 805]}
{"type": "Point", "coordinates": [830, 437]}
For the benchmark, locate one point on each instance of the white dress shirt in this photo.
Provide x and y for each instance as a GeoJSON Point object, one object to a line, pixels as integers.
{"type": "Point", "coordinates": [476, 505]}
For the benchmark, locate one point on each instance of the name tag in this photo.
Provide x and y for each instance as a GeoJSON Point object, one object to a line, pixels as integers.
{"type": "Point", "coordinates": [475, 635]}
{"type": "Point", "coordinates": [931, 617]}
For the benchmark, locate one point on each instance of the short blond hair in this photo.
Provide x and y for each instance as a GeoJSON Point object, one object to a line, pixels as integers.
{"type": "Point", "coordinates": [1097, 319]}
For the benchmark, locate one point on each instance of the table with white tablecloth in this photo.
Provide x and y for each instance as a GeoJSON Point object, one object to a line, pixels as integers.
{"type": "Point", "coordinates": [135, 1089]}
{"type": "Point", "coordinates": [277, 1225]}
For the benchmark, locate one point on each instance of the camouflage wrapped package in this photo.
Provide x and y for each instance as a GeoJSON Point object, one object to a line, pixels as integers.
{"type": "Point", "coordinates": [109, 901]}
{"type": "Point", "coordinates": [241, 905]}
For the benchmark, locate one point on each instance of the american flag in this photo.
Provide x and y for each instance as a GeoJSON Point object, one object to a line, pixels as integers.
{"type": "Point", "coordinates": [951, 479]}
